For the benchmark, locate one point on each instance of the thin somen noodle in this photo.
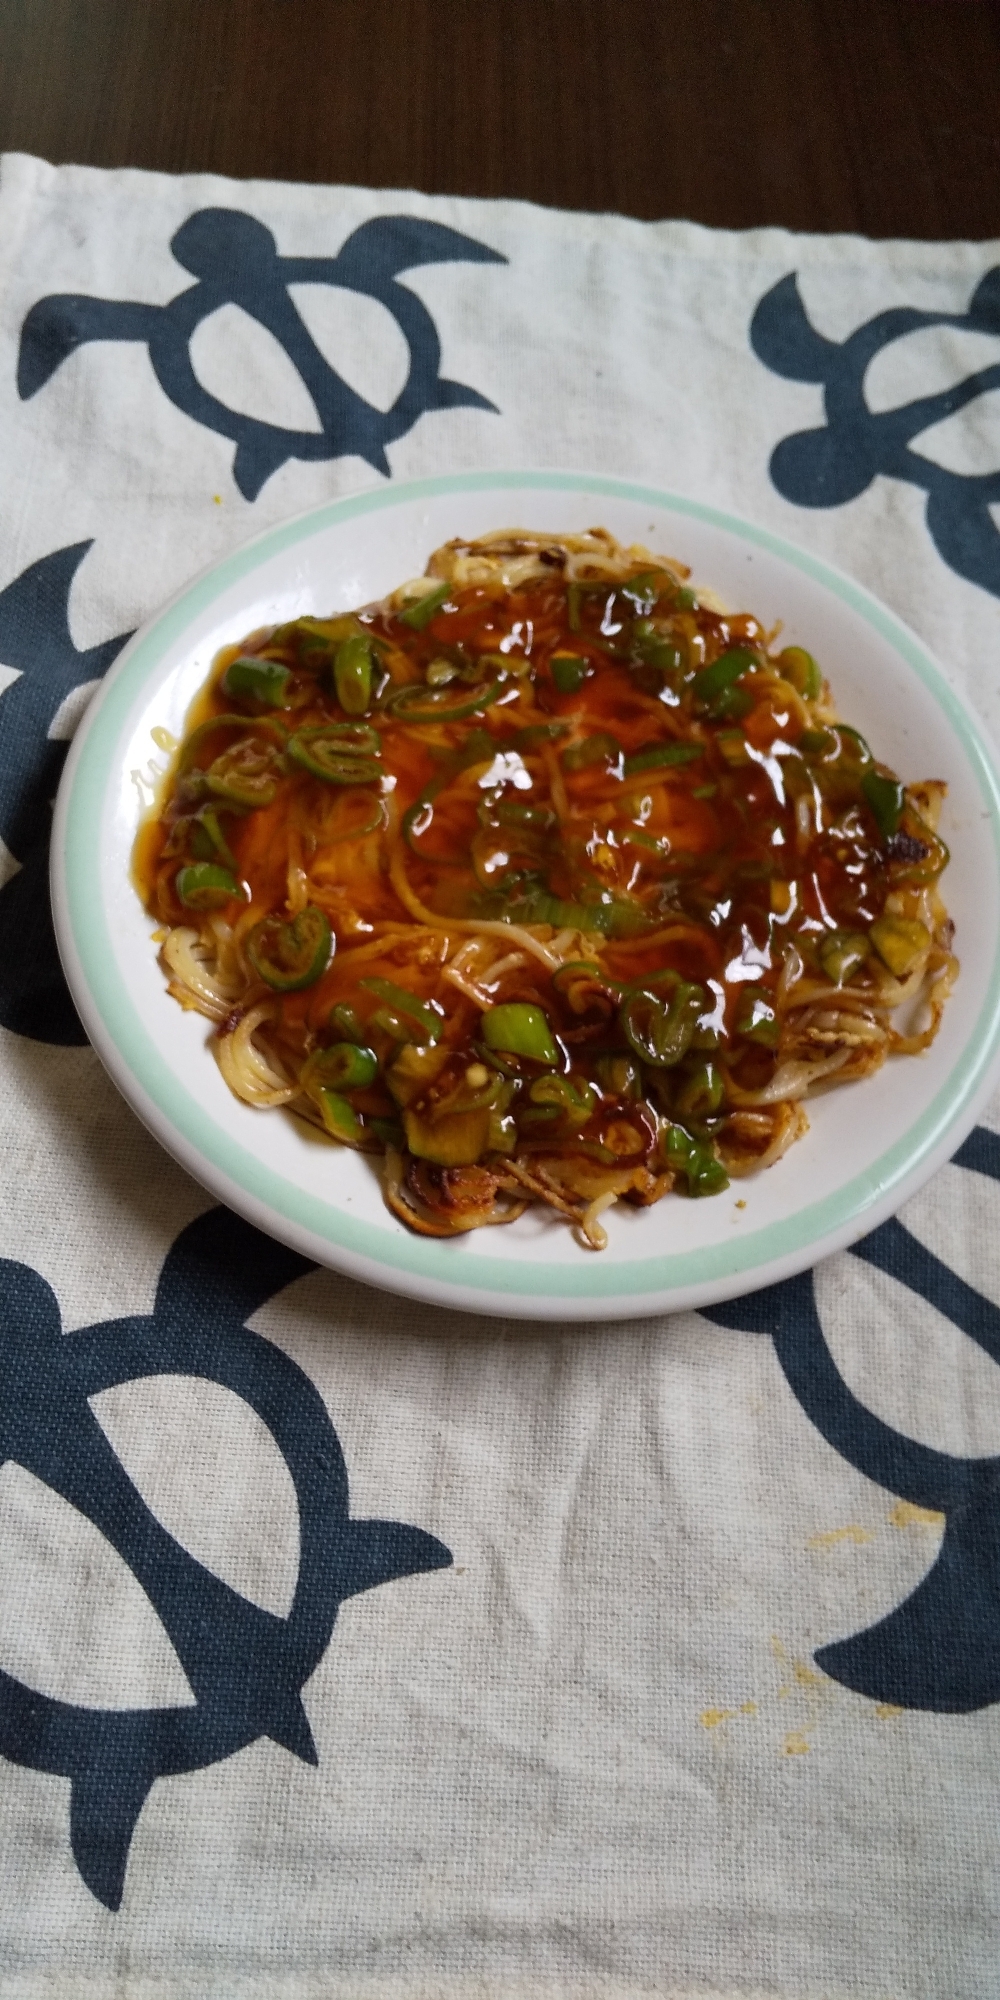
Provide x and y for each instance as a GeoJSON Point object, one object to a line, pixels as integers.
{"type": "Point", "coordinates": [548, 880]}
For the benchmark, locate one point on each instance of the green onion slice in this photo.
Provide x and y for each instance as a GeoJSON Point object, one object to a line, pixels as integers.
{"type": "Point", "coordinates": [656, 756]}
{"type": "Point", "coordinates": [340, 753]}
{"type": "Point", "coordinates": [519, 1029]}
{"type": "Point", "coordinates": [204, 885]}
{"type": "Point", "coordinates": [250, 679]}
{"type": "Point", "coordinates": [420, 614]}
{"type": "Point", "coordinates": [426, 1018]}
{"type": "Point", "coordinates": [418, 703]}
{"type": "Point", "coordinates": [289, 956]}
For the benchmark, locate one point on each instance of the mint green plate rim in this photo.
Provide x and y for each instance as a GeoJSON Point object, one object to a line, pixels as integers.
{"type": "Point", "coordinates": [415, 1265]}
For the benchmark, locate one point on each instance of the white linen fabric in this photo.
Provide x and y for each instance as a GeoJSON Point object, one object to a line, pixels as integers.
{"type": "Point", "coordinates": [595, 1755]}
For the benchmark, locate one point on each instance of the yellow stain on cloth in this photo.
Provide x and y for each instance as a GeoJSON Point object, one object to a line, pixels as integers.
{"type": "Point", "coordinates": [796, 1744]}
{"type": "Point", "coordinates": [828, 1538]}
{"type": "Point", "coordinates": [905, 1515]}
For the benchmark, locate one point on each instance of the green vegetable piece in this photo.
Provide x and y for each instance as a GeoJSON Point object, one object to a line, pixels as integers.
{"type": "Point", "coordinates": [841, 953]}
{"type": "Point", "coordinates": [340, 1118]}
{"type": "Point", "coordinates": [344, 1021]}
{"type": "Point", "coordinates": [900, 941]}
{"type": "Point", "coordinates": [250, 679]}
{"type": "Point", "coordinates": [704, 791]}
{"type": "Point", "coordinates": [599, 749]}
{"type": "Point", "coordinates": [289, 956]}
{"type": "Point", "coordinates": [418, 703]}
{"type": "Point", "coordinates": [731, 705]}
{"type": "Point", "coordinates": [502, 1135]}
{"type": "Point", "coordinates": [208, 825]}
{"type": "Point", "coordinates": [424, 1016]}
{"type": "Point", "coordinates": [887, 798]}
{"type": "Point", "coordinates": [799, 667]}
{"type": "Point", "coordinates": [456, 1139]}
{"type": "Point", "coordinates": [389, 1130]}
{"type": "Point", "coordinates": [262, 725]}
{"type": "Point", "coordinates": [618, 1076]}
{"type": "Point", "coordinates": [568, 671]}
{"type": "Point", "coordinates": [723, 673]}
{"type": "Point", "coordinates": [352, 674]}
{"type": "Point", "coordinates": [517, 1028]}
{"type": "Point", "coordinates": [686, 599]}
{"type": "Point", "coordinates": [340, 753]}
{"type": "Point", "coordinates": [657, 755]}
{"type": "Point", "coordinates": [420, 614]}
{"type": "Point", "coordinates": [654, 649]}
{"type": "Point", "coordinates": [644, 589]}
{"type": "Point", "coordinates": [539, 732]}
{"type": "Point", "coordinates": [343, 1066]}
{"type": "Point", "coordinates": [700, 1092]}
{"type": "Point", "coordinates": [658, 1018]}
{"type": "Point", "coordinates": [570, 1102]}
{"type": "Point", "coordinates": [703, 1172]}
{"type": "Point", "coordinates": [440, 672]}
{"type": "Point", "coordinates": [759, 1022]}
{"type": "Point", "coordinates": [246, 774]}
{"type": "Point", "coordinates": [204, 885]}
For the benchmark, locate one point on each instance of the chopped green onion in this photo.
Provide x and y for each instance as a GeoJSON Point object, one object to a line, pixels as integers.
{"type": "Point", "coordinates": [660, 1024]}
{"type": "Point", "coordinates": [841, 953]}
{"type": "Point", "coordinates": [568, 671]}
{"type": "Point", "coordinates": [420, 614]}
{"type": "Point", "coordinates": [723, 673]}
{"type": "Point", "coordinates": [703, 1172]}
{"type": "Point", "coordinates": [425, 1017]}
{"type": "Point", "coordinates": [289, 956]}
{"type": "Point", "coordinates": [340, 753]}
{"type": "Point", "coordinates": [656, 755]}
{"type": "Point", "coordinates": [599, 749]}
{"type": "Point", "coordinates": [539, 732]}
{"type": "Point", "coordinates": [340, 1118]}
{"type": "Point", "coordinates": [343, 1066]}
{"type": "Point", "coordinates": [799, 667]}
{"type": "Point", "coordinates": [569, 1103]}
{"type": "Point", "coordinates": [887, 798]}
{"type": "Point", "coordinates": [759, 1022]}
{"type": "Point", "coordinates": [700, 1092]}
{"type": "Point", "coordinates": [643, 590]}
{"type": "Point", "coordinates": [418, 703]}
{"type": "Point", "coordinates": [203, 885]}
{"type": "Point", "coordinates": [517, 1028]}
{"type": "Point", "coordinates": [900, 941]}
{"type": "Point", "coordinates": [352, 674]}
{"type": "Point", "coordinates": [250, 679]}
{"type": "Point", "coordinates": [345, 1022]}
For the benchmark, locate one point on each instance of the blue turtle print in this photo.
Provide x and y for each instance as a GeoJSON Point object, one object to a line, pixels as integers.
{"type": "Point", "coordinates": [940, 1648]}
{"type": "Point", "coordinates": [234, 260]}
{"type": "Point", "coordinates": [826, 467]}
{"type": "Point", "coordinates": [246, 1667]}
{"type": "Point", "coordinates": [35, 639]}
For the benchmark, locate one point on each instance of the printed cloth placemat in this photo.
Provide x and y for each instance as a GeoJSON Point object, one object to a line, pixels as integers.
{"type": "Point", "coordinates": [353, 1648]}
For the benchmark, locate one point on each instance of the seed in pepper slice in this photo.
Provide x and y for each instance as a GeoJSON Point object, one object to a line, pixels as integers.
{"type": "Point", "coordinates": [289, 956]}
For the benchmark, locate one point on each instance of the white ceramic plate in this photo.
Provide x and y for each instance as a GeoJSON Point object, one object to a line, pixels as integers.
{"type": "Point", "coordinates": [870, 1144]}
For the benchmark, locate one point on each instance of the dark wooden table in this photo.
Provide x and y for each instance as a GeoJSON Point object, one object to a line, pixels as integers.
{"type": "Point", "coordinates": [874, 115]}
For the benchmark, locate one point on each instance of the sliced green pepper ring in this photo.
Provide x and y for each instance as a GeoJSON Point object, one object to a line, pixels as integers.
{"type": "Point", "coordinates": [417, 615]}
{"type": "Point", "coordinates": [246, 774]}
{"type": "Point", "coordinates": [340, 753]}
{"type": "Point", "coordinates": [886, 797]}
{"type": "Point", "coordinates": [353, 669]}
{"type": "Point", "coordinates": [289, 956]}
{"type": "Point", "coordinates": [249, 726]}
{"type": "Point", "coordinates": [418, 703]}
{"type": "Point", "coordinates": [251, 679]}
{"type": "Point", "coordinates": [204, 885]}
{"type": "Point", "coordinates": [407, 1004]}
{"type": "Point", "coordinates": [658, 1017]}
{"type": "Point", "coordinates": [343, 1066]}
{"type": "Point", "coordinates": [519, 1029]}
